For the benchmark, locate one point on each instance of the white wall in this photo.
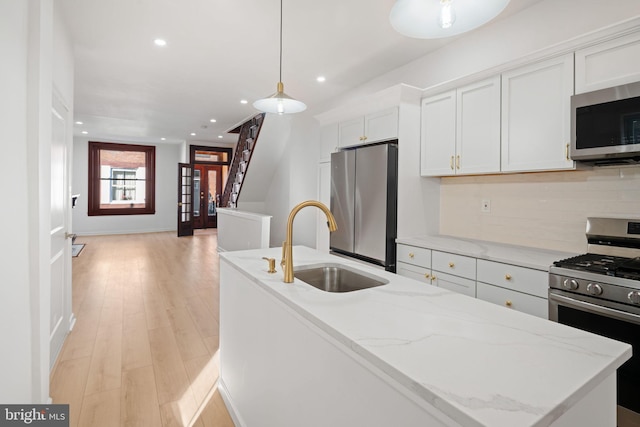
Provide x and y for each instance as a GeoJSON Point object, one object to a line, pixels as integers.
{"type": "Point", "coordinates": [29, 31]}
{"type": "Point", "coordinates": [295, 181]}
{"type": "Point", "coordinates": [15, 319]}
{"type": "Point", "coordinates": [165, 218]}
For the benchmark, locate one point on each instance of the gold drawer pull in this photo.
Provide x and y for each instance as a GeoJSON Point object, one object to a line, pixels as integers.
{"type": "Point", "coordinates": [451, 163]}
{"type": "Point", "coordinates": [451, 265]}
{"type": "Point", "coordinates": [427, 276]}
{"type": "Point", "coordinates": [507, 277]}
{"type": "Point", "coordinates": [411, 255]}
{"type": "Point", "coordinates": [508, 303]}
{"type": "Point", "coordinates": [433, 277]}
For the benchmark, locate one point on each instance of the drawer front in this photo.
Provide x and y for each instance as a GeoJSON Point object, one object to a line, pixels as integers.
{"type": "Point", "coordinates": [414, 255]}
{"type": "Point", "coordinates": [521, 279]}
{"type": "Point", "coordinates": [458, 265]}
{"type": "Point", "coordinates": [514, 300]}
{"type": "Point", "coordinates": [420, 274]}
{"type": "Point", "coordinates": [454, 283]}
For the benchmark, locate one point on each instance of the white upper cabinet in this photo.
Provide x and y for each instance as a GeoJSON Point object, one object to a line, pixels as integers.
{"type": "Point", "coordinates": [461, 130]}
{"type": "Point", "coordinates": [328, 141]}
{"type": "Point", "coordinates": [438, 135]}
{"type": "Point", "coordinates": [608, 64]}
{"type": "Point", "coordinates": [478, 128]}
{"type": "Point", "coordinates": [536, 116]}
{"type": "Point", "coordinates": [379, 126]}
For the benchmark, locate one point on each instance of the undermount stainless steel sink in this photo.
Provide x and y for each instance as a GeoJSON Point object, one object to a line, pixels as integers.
{"type": "Point", "coordinates": [336, 278]}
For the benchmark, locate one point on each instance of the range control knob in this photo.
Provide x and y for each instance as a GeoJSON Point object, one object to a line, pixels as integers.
{"type": "Point", "coordinates": [594, 289]}
{"type": "Point", "coordinates": [570, 284]}
{"type": "Point", "coordinates": [634, 297]}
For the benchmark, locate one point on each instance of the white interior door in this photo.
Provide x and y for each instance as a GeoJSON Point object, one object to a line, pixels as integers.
{"type": "Point", "coordinates": [60, 258]}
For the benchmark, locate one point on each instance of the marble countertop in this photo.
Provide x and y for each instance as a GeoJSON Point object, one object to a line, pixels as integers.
{"type": "Point", "coordinates": [477, 362]}
{"type": "Point", "coordinates": [539, 259]}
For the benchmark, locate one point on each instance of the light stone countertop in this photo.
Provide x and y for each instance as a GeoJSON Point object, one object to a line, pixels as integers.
{"type": "Point", "coordinates": [478, 363]}
{"type": "Point", "coordinates": [523, 256]}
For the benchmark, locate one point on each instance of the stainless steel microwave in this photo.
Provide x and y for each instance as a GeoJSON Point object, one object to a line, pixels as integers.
{"type": "Point", "coordinates": [605, 125]}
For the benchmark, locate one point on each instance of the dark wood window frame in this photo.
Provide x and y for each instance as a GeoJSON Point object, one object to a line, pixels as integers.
{"type": "Point", "coordinates": [94, 179]}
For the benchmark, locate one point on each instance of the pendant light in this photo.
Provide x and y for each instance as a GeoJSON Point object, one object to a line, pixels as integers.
{"type": "Point", "coordinates": [280, 102]}
{"type": "Point", "coordinates": [432, 19]}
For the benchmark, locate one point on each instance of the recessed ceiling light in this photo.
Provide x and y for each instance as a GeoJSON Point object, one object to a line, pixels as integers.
{"type": "Point", "coordinates": [84, 132]}
{"type": "Point", "coordinates": [160, 42]}
{"type": "Point", "coordinates": [79, 122]}
{"type": "Point", "coordinates": [220, 136]}
{"type": "Point", "coordinates": [193, 134]}
{"type": "Point", "coordinates": [321, 79]}
{"type": "Point", "coordinates": [243, 101]}
{"type": "Point", "coordinates": [213, 120]}
{"type": "Point", "coordinates": [163, 139]}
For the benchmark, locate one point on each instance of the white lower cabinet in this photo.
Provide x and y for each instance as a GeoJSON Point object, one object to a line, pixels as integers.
{"type": "Point", "coordinates": [515, 287]}
{"type": "Point", "coordinates": [512, 299]}
{"type": "Point", "coordinates": [519, 288]}
{"type": "Point", "coordinates": [420, 274]}
{"type": "Point", "coordinates": [454, 283]}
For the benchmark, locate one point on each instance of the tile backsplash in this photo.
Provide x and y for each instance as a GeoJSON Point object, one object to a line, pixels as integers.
{"type": "Point", "coordinates": [545, 210]}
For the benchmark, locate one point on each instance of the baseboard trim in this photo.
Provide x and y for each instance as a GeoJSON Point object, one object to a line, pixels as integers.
{"type": "Point", "coordinates": [226, 398]}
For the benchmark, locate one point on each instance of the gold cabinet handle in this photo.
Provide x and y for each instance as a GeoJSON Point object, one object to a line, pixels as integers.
{"type": "Point", "coordinates": [451, 265]}
{"type": "Point", "coordinates": [451, 162]}
{"type": "Point", "coordinates": [507, 277]}
{"type": "Point", "coordinates": [364, 138]}
{"type": "Point", "coordinates": [272, 264]}
{"type": "Point", "coordinates": [411, 255]}
{"type": "Point", "coordinates": [458, 161]}
{"type": "Point", "coordinates": [433, 277]}
{"type": "Point", "coordinates": [566, 152]}
{"type": "Point", "coordinates": [508, 303]}
{"type": "Point", "coordinates": [427, 276]}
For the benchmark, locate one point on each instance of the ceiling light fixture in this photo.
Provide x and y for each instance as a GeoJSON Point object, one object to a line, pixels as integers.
{"type": "Point", "coordinates": [213, 120]}
{"type": "Point", "coordinates": [160, 42]}
{"type": "Point", "coordinates": [432, 19]}
{"type": "Point", "coordinates": [321, 79]}
{"type": "Point", "coordinates": [280, 102]}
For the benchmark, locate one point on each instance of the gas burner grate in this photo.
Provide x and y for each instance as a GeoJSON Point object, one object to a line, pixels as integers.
{"type": "Point", "coordinates": [603, 264]}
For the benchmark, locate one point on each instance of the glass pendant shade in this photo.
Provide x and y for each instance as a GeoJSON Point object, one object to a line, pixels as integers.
{"type": "Point", "coordinates": [280, 103]}
{"type": "Point", "coordinates": [432, 19]}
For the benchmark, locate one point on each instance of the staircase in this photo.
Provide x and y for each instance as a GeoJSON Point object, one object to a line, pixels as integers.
{"type": "Point", "coordinates": [247, 138]}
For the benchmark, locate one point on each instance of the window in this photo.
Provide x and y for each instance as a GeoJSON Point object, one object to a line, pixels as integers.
{"type": "Point", "coordinates": [121, 179]}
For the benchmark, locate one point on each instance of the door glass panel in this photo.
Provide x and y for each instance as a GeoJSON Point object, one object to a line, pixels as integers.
{"type": "Point", "coordinates": [212, 181]}
{"type": "Point", "coordinates": [196, 190]}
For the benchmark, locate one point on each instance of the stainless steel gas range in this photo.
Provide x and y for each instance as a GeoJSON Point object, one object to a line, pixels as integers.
{"type": "Point", "coordinates": [600, 292]}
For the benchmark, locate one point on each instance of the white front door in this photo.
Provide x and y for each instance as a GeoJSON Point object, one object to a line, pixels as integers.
{"type": "Point", "coordinates": [60, 261]}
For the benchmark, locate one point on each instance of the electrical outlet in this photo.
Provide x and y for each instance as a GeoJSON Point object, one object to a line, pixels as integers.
{"type": "Point", "coordinates": [485, 206]}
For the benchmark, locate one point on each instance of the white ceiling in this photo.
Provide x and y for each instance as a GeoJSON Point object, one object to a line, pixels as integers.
{"type": "Point", "coordinates": [219, 52]}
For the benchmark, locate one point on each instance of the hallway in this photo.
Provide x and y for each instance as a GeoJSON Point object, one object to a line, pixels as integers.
{"type": "Point", "coordinates": [143, 351]}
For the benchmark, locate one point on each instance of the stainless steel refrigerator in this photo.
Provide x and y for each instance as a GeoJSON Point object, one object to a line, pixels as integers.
{"type": "Point", "coordinates": [364, 193]}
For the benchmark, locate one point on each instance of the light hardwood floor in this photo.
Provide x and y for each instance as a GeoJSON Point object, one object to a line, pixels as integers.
{"type": "Point", "coordinates": [143, 351]}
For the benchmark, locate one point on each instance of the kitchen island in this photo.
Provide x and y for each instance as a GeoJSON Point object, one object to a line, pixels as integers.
{"type": "Point", "coordinates": [399, 354]}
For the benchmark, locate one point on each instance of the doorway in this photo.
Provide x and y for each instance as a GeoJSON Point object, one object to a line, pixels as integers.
{"type": "Point", "coordinates": [207, 186]}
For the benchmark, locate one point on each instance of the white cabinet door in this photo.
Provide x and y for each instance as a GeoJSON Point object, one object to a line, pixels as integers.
{"type": "Point", "coordinates": [328, 141]}
{"type": "Point", "coordinates": [381, 126]}
{"type": "Point", "coordinates": [536, 116]}
{"type": "Point", "coordinates": [438, 135]}
{"type": "Point", "coordinates": [351, 132]}
{"type": "Point", "coordinates": [454, 283]}
{"type": "Point", "coordinates": [608, 64]}
{"type": "Point", "coordinates": [478, 127]}
{"type": "Point", "coordinates": [423, 275]}
{"type": "Point", "coordinates": [514, 300]}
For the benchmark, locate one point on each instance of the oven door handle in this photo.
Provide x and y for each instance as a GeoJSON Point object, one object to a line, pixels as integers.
{"type": "Point", "coordinates": [587, 306]}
